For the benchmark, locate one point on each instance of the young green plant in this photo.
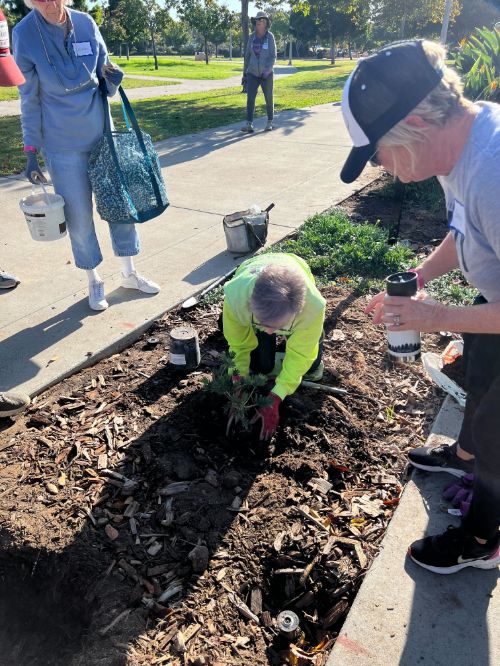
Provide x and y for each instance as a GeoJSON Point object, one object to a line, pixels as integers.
{"type": "Point", "coordinates": [244, 396]}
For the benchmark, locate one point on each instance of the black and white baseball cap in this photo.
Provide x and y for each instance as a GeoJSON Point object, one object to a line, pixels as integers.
{"type": "Point", "coordinates": [382, 90]}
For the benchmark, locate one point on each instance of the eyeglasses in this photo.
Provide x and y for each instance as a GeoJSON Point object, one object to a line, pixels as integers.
{"type": "Point", "coordinates": [260, 324]}
{"type": "Point", "coordinates": [375, 159]}
{"type": "Point", "coordinates": [68, 90]}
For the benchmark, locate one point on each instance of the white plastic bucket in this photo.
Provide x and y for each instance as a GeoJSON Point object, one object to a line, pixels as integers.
{"type": "Point", "coordinates": [44, 215]}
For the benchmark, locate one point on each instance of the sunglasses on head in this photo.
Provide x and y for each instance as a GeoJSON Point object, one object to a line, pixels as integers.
{"type": "Point", "coordinates": [374, 159]}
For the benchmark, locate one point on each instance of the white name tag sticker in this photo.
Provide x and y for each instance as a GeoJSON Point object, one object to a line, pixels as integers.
{"type": "Point", "coordinates": [265, 45]}
{"type": "Point", "coordinates": [458, 219]}
{"type": "Point", "coordinates": [82, 49]}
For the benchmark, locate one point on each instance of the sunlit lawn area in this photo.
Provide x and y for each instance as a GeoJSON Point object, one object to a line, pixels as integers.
{"type": "Point", "coordinates": [174, 115]}
{"type": "Point", "coordinates": [12, 93]}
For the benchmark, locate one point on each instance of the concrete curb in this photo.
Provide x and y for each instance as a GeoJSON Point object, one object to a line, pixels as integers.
{"type": "Point", "coordinates": [404, 615]}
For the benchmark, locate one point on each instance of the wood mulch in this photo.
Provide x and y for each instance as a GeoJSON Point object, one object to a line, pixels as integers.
{"type": "Point", "coordinates": [133, 531]}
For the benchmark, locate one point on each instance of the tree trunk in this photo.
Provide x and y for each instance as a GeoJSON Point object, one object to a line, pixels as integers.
{"type": "Point", "coordinates": [128, 50]}
{"type": "Point", "coordinates": [230, 45]}
{"type": "Point", "coordinates": [350, 50]}
{"type": "Point", "coordinates": [206, 50]}
{"type": "Point", "coordinates": [153, 44]}
{"type": "Point", "coordinates": [332, 50]}
{"type": "Point", "coordinates": [244, 22]}
{"type": "Point", "coordinates": [120, 50]}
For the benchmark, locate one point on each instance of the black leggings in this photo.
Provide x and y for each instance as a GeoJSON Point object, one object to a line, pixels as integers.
{"type": "Point", "coordinates": [253, 83]}
{"type": "Point", "coordinates": [480, 432]}
{"type": "Point", "coordinates": [263, 357]}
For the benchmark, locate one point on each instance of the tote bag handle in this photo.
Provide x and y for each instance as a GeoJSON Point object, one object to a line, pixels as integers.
{"type": "Point", "coordinates": [127, 112]}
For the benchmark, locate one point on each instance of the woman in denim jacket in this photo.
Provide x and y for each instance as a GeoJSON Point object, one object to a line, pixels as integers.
{"type": "Point", "coordinates": [260, 56]}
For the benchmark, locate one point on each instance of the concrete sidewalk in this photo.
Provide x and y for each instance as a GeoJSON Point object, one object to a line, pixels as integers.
{"type": "Point", "coordinates": [13, 107]}
{"type": "Point", "coordinates": [46, 327]}
{"type": "Point", "coordinates": [404, 615]}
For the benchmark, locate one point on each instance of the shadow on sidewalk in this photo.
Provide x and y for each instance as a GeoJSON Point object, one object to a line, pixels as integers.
{"type": "Point", "coordinates": [448, 623]}
{"type": "Point", "coordinates": [27, 343]}
{"type": "Point", "coordinates": [186, 148]}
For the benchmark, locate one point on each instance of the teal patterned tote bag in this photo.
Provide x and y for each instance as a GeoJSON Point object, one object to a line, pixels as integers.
{"type": "Point", "coordinates": [124, 170]}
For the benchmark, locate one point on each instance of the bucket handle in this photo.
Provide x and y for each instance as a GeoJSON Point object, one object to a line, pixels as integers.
{"type": "Point", "coordinates": [40, 182]}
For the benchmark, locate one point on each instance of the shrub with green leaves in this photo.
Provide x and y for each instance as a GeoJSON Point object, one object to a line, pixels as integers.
{"type": "Point", "coordinates": [244, 397]}
{"type": "Point", "coordinates": [334, 247]}
{"type": "Point", "coordinates": [452, 289]}
{"type": "Point", "coordinates": [479, 63]}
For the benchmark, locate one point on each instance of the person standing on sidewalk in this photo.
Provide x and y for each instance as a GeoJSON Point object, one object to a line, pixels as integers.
{"type": "Point", "coordinates": [405, 110]}
{"type": "Point", "coordinates": [10, 75]}
{"type": "Point", "coordinates": [271, 295]}
{"type": "Point", "coordinates": [62, 55]}
{"type": "Point", "coordinates": [11, 403]}
{"type": "Point", "coordinates": [260, 56]}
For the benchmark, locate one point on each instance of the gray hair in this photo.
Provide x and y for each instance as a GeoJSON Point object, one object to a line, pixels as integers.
{"type": "Point", "coordinates": [29, 3]}
{"type": "Point", "coordinates": [278, 292]}
{"type": "Point", "coordinates": [444, 102]}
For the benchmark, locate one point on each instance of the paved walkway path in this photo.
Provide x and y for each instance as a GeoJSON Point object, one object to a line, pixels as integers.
{"type": "Point", "coordinates": [13, 107]}
{"type": "Point", "coordinates": [46, 327]}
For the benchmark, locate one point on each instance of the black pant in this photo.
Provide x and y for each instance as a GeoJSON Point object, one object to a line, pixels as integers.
{"type": "Point", "coordinates": [480, 433]}
{"type": "Point", "coordinates": [253, 83]}
{"type": "Point", "coordinates": [263, 357]}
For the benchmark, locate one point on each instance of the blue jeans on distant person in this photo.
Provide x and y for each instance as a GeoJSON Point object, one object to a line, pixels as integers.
{"type": "Point", "coordinates": [253, 83]}
{"type": "Point", "coordinates": [68, 171]}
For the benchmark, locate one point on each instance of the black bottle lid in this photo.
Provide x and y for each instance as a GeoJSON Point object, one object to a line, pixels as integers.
{"type": "Point", "coordinates": [402, 284]}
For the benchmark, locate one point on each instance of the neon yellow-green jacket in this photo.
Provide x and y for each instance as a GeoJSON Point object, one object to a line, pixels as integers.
{"type": "Point", "coordinates": [302, 336]}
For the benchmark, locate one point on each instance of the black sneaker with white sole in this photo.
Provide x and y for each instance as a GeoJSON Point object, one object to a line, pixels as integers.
{"type": "Point", "coordinates": [441, 459]}
{"type": "Point", "coordinates": [454, 550]}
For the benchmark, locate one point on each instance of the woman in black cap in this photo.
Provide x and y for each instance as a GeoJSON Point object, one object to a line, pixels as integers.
{"type": "Point", "coordinates": [260, 56]}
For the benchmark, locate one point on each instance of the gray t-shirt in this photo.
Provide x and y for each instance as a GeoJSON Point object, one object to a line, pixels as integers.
{"type": "Point", "coordinates": [472, 192]}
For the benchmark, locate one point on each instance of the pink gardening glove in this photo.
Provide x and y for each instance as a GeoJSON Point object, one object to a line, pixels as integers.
{"type": "Point", "coordinates": [270, 417]}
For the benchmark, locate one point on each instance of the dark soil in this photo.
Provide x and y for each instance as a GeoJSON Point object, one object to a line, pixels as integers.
{"type": "Point", "coordinates": [122, 499]}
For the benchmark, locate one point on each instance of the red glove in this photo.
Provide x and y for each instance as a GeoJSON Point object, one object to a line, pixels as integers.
{"type": "Point", "coordinates": [270, 417]}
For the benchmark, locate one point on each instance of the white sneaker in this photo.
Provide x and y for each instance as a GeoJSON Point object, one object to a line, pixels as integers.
{"type": "Point", "coordinates": [269, 126]}
{"type": "Point", "coordinates": [97, 299]}
{"type": "Point", "coordinates": [134, 281]}
{"type": "Point", "coordinates": [247, 128]}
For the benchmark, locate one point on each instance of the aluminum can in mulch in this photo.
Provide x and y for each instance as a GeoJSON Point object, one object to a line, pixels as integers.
{"type": "Point", "coordinates": [288, 624]}
{"type": "Point", "coordinates": [404, 346]}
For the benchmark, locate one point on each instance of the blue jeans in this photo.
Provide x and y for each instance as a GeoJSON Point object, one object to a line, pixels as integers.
{"type": "Point", "coordinates": [68, 171]}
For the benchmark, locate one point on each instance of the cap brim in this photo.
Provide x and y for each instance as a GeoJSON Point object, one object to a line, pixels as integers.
{"type": "Point", "coordinates": [356, 162]}
{"type": "Point", "coordinates": [10, 74]}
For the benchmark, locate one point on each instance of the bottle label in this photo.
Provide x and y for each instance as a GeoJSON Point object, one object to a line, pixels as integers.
{"type": "Point", "coordinates": [177, 359]}
{"type": "Point", "coordinates": [404, 345]}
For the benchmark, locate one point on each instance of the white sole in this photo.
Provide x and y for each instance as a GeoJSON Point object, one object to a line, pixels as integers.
{"type": "Point", "coordinates": [478, 564]}
{"type": "Point", "coordinates": [459, 473]}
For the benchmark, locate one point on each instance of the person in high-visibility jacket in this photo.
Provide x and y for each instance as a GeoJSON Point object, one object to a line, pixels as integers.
{"type": "Point", "coordinates": [269, 295]}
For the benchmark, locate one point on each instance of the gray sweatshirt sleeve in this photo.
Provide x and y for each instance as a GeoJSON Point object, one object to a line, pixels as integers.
{"type": "Point", "coordinates": [272, 51]}
{"type": "Point", "coordinates": [31, 112]}
{"type": "Point", "coordinates": [103, 59]}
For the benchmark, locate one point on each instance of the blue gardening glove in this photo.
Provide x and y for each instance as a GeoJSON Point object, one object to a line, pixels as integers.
{"type": "Point", "coordinates": [112, 74]}
{"type": "Point", "coordinates": [33, 172]}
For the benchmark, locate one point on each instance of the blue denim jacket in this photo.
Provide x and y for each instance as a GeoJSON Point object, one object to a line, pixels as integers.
{"type": "Point", "coordinates": [61, 108]}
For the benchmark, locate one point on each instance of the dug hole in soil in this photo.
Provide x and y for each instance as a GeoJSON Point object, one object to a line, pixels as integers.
{"type": "Point", "coordinates": [133, 531]}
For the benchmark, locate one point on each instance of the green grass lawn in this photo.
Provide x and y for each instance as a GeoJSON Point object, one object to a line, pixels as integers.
{"type": "Point", "coordinates": [179, 68]}
{"type": "Point", "coordinates": [162, 117]}
{"type": "Point", "coordinates": [12, 93]}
